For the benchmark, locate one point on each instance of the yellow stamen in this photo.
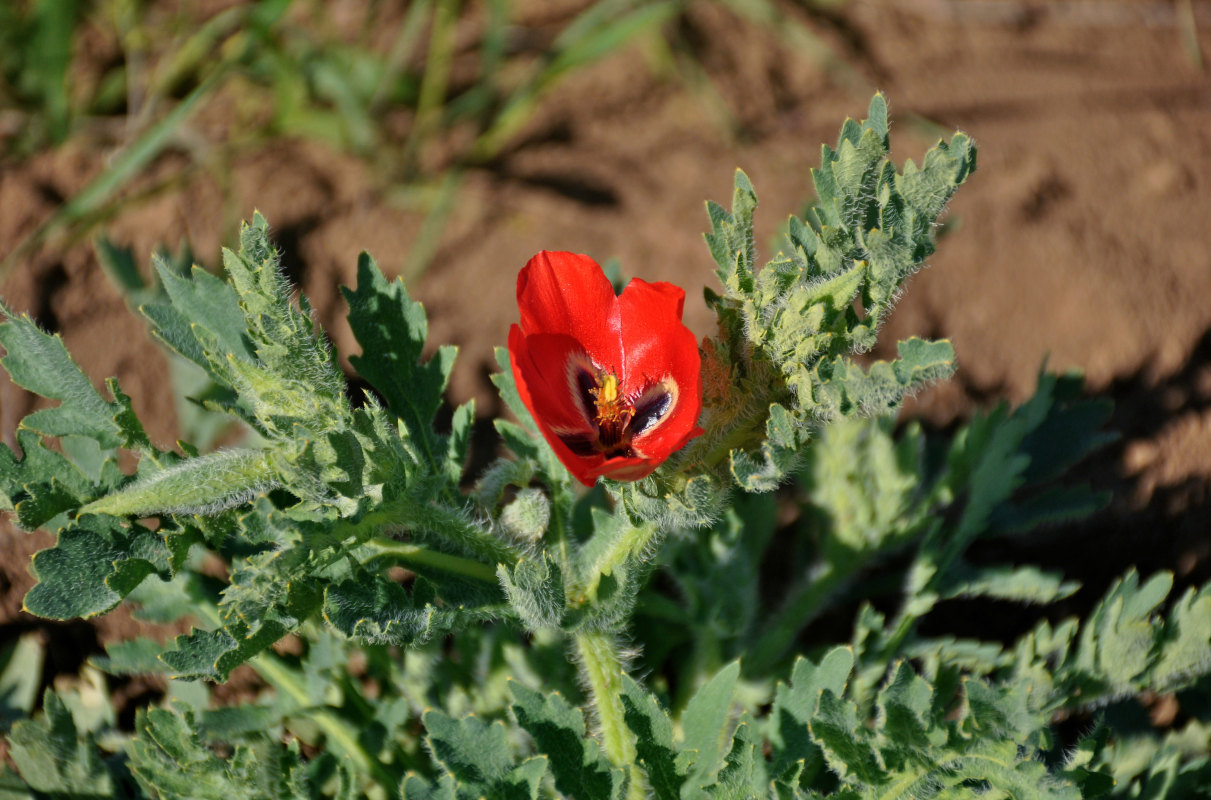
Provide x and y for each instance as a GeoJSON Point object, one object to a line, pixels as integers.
{"type": "Point", "coordinates": [611, 406]}
{"type": "Point", "coordinates": [609, 389]}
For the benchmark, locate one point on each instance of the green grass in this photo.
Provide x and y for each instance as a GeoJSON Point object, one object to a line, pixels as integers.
{"type": "Point", "coordinates": [394, 86]}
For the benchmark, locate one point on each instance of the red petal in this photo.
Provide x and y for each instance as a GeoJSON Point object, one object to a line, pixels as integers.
{"type": "Point", "coordinates": [543, 361]}
{"type": "Point", "coordinates": [545, 393]}
{"type": "Point", "coordinates": [569, 311]}
{"type": "Point", "coordinates": [626, 469]}
{"type": "Point", "coordinates": [657, 345]}
{"type": "Point", "coordinates": [568, 293]}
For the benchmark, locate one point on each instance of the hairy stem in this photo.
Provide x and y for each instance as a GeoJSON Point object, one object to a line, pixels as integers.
{"type": "Point", "coordinates": [601, 670]}
{"type": "Point", "coordinates": [631, 541]}
{"type": "Point", "coordinates": [451, 525]}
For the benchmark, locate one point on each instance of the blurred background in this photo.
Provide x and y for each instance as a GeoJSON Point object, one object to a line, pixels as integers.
{"type": "Point", "coordinates": [455, 139]}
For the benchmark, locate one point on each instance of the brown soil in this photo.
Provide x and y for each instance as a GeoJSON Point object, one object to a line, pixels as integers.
{"type": "Point", "coordinates": [1082, 239]}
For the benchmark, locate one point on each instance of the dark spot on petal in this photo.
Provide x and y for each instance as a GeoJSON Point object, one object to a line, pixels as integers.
{"type": "Point", "coordinates": [649, 409]}
{"type": "Point", "coordinates": [581, 444]}
{"type": "Point", "coordinates": [586, 384]}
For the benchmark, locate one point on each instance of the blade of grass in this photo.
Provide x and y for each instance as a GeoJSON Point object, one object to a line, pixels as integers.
{"type": "Point", "coordinates": [401, 51]}
{"type": "Point", "coordinates": [48, 56]}
{"type": "Point", "coordinates": [1188, 26]}
{"type": "Point", "coordinates": [802, 39]}
{"type": "Point", "coordinates": [124, 167]}
{"type": "Point", "coordinates": [591, 36]}
{"type": "Point", "coordinates": [436, 79]}
{"type": "Point", "coordinates": [477, 102]}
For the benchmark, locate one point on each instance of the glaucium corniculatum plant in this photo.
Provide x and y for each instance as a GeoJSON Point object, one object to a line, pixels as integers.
{"type": "Point", "coordinates": [455, 636]}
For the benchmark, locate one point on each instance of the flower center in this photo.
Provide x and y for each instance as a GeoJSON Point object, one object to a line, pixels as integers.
{"type": "Point", "coordinates": [613, 413]}
{"type": "Point", "coordinates": [615, 417]}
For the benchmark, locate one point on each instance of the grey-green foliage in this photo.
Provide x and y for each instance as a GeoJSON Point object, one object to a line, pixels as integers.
{"type": "Point", "coordinates": [351, 476]}
{"type": "Point", "coordinates": [57, 759]}
{"type": "Point", "coordinates": [823, 298]}
{"type": "Point", "coordinates": [1126, 644]}
{"type": "Point", "coordinates": [335, 493]}
{"type": "Point", "coordinates": [939, 735]}
{"type": "Point", "coordinates": [949, 738]}
{"type": "Point", "coordinates": [870, 492]}
{"type": "Point", "coordinates": [170, 760]}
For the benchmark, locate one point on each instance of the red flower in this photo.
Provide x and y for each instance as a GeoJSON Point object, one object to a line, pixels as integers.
{"type": "Point", "coordinates": [613, 382]}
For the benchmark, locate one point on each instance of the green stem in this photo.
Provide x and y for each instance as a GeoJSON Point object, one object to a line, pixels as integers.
{"type": "Point", "coordinates": [601, 670]}
{"type": "Point", "coordinates": [415, 555]}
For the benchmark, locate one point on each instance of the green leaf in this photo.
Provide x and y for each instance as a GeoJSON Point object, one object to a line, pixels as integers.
{"type": "Point", "coordinates": [414, 786]}
{"type": "Point", "coordinates": [96, 563]}
{"type": "Point", "coordinates": [43, 502]}
{"type": "Point", "coordinates": [392, 328]}
{"type": "Point", "coordinates": [39, 362]}
{"type": "Point", "coordinates": [905, 705]}
{"type": "Point", "coordinates": [1120, 634]}
{"type": "Point", "coordinates": [653, 730]}
{"type": "Point", "coordinates": [271, 358]}
{"type": "Point", "coordinates": [170, 759]}
{"type": "Point", "coordinates": [200, 302]}
{"type": "Point", "coordinates": [844, 740]}
{"type": "Point", "coordinates": [372, 609]}
{"type": "Point", "coordinates": [866, 485]}
{"type": "Point", "coordinates": [134, 657]}
{"type": "Point", "coordinates": [742, 772]}
{"type": "Point", "coordinates": [795, 706]}
{"type": "Point", "coordinates": [842, 388]}
{"type": "Point", "coordinates": [41, 471]}
{"type": "Point", "coordinates": [12, 787]}
{"type": "Point", "coordinates": [535, 589]}
{"type": "Point", "coordinates": [20, 677]}
{"type": "Point", "coordinates": [477, 756]}
{"type": "Point", "coordinates": [1186, 647]}
{"type": "Point", "coordinates": [205, 654]}
{"type": "Point", "coordinates": [53, 758]}
{"type": "Point", "coordinates": [706, 723]}
{"type": "Point", "coordinates": [1021, 584]}
{"type": "Point", "coordinates": [778, 455]}
{"type": "Point", "coordinates": [731, 239]}
{"type": "Point", "coordinates": [558, 729]}
{"type": "Point", "coordinates": [204, 485]}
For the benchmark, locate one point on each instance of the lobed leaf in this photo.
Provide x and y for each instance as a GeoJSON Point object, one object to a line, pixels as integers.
{"type": "Point", "coordinates": [39, 362]}
{"type": "Point", "coordinates": [392, 329]}
{"type": "Point", "coordinates": [666, 770]}
{"type": "Point", "coordinates": [97, 562]}
{"type": "Point", "coordinates": [476, 756]}
{"type": "Point", "coordinates": [706, 724]}
{"type": "Point", "coordinates": [170, 759]}
{"type": "Point", "coordinates": [558, 729]}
